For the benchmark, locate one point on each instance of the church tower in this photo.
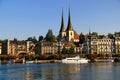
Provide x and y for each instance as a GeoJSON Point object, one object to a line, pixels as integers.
{"type": "Point", "coordinates": [69, 30]}
{"type": "Point", "coordinates": [62, 32]}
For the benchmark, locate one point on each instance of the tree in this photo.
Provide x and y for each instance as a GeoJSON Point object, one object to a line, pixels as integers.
{"type": "Point", "coordinates": [53, 38]}
{"type": "Point", "coordinates": [101, 36]}
{"type": "Point", "coordinates": [64, 50]}
{"type": "Point", "coordinates": [41, 38]}
{"type": "Point", "coordinates": [71, 50]}
{"type": "Point", "coordinates": [94, 33]}
{"type": "Point", "coordinates": [0, 41]}
{"type": "Point", "coordinates": [81, 38]}
{"type": "Point", "coordinates": [33, 39]}
{"type": "Point", "coordinates": [49, 36]}
{"type": "Point", "coordinates": [15, 39]}
{"type": "Point", "coordinates": [4, 46]}
{"type": "Point", "coordinates": [29, 39]}
{"type": "Point", "coordinates": [117, 33]}
{"type": "Point", "coordinates": [110, 35]}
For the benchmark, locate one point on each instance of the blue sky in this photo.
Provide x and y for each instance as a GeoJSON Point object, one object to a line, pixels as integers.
{"type": "Point", "coordinates": [25, 18]}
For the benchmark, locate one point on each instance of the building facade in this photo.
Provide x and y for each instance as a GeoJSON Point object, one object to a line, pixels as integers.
{"type": "Point", "coordinates": [117, 45]}
{"type": "Point", "coordinates": [102, 46]}
{"type": "Point", "coordinates": [44, 47]}
{"type": "Point", "coordinates": [17, 47]}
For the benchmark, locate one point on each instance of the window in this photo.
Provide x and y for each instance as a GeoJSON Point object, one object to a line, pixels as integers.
{"type": "Point", "coordinates": [71, 33]}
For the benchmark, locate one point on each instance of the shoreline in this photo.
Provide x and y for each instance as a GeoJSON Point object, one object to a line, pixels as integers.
{"type": "Point", "coordinates": [47, 61]}
{"type": "Point", "coordinates": [32, 61]}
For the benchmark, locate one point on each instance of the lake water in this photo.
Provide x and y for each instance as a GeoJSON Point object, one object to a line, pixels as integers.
{"type": "Point", "coordinates": [51, 71]}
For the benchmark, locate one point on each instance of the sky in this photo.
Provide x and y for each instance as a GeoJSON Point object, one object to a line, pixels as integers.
{"type": "Point", "coordinates": [26, 18]}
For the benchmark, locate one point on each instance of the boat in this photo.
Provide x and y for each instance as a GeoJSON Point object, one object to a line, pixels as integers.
{"type": "Point", "coordinates": [75, 59]}
{"type": "Point", "coordinates": [29, 62]}
{"type": "Point", "coordinates": [104, 60]}
{"type": "Point", "coordinates": [108, 60]}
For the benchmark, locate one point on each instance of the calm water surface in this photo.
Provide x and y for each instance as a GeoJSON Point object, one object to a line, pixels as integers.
{"type": "Point", "coordinates": [90, 71]}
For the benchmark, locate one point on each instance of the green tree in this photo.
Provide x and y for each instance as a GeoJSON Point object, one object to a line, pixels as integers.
{"type": "Point", "coordinates": [81, 38]}
{"type": "Point", "coordinates": [29, 39]}
{"type": "Point", "coordinates": [110, 35]}
{"type": "Point", "coordinates": [33, 39]}
{"type": "Point", "coordinates": [71, 50]}
{"type": "Point", "coordinates": [94, 33]}
{"type": "Point", "coordinates": [101, 36]}
{"type": "Point", "coordinates": [49, 36]}
{"type": "Point", "coordinates": [4, 46]}
{"type": "Point", "coordinates": [41, 38]}
{"type": "Point", "coordinates": [0, 41]}
{"type": "Point", "coordinates": [15, 39]}
{"type": "Point", "coordinates": [117, 33]}
{"type": "Point", "coordinates": [64, 50]}
{"type": "Point", "coordinates": [54, 38]}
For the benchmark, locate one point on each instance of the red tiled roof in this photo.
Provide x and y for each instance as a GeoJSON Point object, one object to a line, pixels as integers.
{"type": "Point", "coordinates": [76, 36]}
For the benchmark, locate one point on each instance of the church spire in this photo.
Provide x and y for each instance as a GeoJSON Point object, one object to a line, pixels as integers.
{"type": "Point", "coordinates": [89, 31]}
{"type": "Point", "coordinates": [89, 34]}
{"type": "Point", "coordinates": [69, 26]}
{"type": "Point", "coordinates": [62, 24]}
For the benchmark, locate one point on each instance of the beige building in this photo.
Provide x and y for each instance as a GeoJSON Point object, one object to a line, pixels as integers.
{"type": "Point", "coordinates": [44, 47]}
{"type": "Point", "coordinates": [94, 45]}
{"type": "Point", "coordinates": [117, 45]}
{"type": "Point", "coordinates": [17, 47]}
{"type": "Point", "coordinates": [102, 46]}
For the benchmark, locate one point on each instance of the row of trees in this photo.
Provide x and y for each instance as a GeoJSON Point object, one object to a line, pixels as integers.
{"type": "Point", "coordinates": [49, 37]}
{"type": "Point", "coordinates": [68, 51]}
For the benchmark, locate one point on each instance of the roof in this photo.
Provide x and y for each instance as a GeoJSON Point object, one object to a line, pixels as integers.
{"type": "Point", "coordinates": [76, 36]}
{"type": "Point", "coordinates": [69, 27]}
{"type": "Point", "coordinates": [62, 29]}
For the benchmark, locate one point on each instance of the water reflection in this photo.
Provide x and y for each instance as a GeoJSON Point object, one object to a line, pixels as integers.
{"type": "Point", "coordinates": [90, 71]}
{"type": "Point", "coordinates": [61, 72]}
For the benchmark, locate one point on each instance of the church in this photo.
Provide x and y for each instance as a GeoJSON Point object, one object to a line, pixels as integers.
{"type": "Point", "coordinates": [67, 34]}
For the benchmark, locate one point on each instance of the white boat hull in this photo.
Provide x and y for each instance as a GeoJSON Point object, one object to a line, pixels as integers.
{"type": "Point", "coordinates": [29, 62]}
{"type": "Point", "coordinates": [75, 60]}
